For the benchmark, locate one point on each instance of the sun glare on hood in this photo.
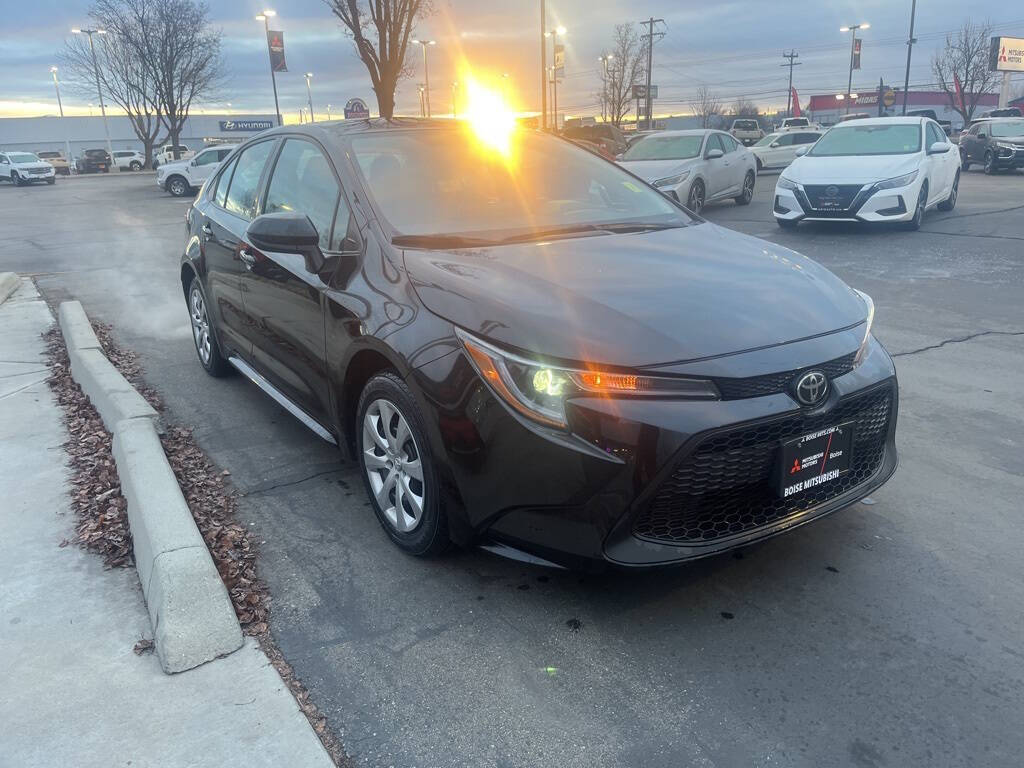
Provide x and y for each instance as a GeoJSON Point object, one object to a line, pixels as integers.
{"type": "Point", "coordinates": [491, 117]}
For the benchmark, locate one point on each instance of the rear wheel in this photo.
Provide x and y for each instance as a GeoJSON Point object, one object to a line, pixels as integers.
{"type": "Point", "coordinates": [950, 202]}
{"type": "Point", "coordinates": [964, 162]}
{"type": "Point", "coordinates": [202, 334]}
{"type": "Point", "coordinates": [135, 165]}
{"type": "Point", "coordinates": [398, 467]}
{"type": "Point", "coordinates": [748, 190]}
{"type": "Point", "coordinates": [760, 165]}
{"type": "Point", "coordinates": [695, 200]}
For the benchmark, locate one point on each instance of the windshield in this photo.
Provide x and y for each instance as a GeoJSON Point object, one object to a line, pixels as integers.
{"type": "Point", "coordinates": [665, 148]}
{"type": "Point", "coordinates": [869, 140]}
{"type": "Point", "coordinates": [1008, 128]}
{"type": "Point", "coordinates": [22, 157]}
{"type": "Point", "coordinates": [745, 125]}
{"type": "Point", "coordinates": [767, 140]}
{"type": "Point", "coordinates": [95, 153]}
{"type": "Point", "coordinates": [432, 183]}
{"type": "Point", "coordinates": [796, 122]}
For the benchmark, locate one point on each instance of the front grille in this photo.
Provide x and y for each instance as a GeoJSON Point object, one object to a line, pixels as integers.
{"type": "Point", "coordinates": [726, 485]}
{"type": "Point", "coordinates": [774, 383]}
{"type": "Point", "coordinates": [820, 200]}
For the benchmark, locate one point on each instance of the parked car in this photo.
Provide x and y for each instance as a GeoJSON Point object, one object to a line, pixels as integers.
{"type": "Point", "coordinates": [997, 144]}
{"type": "Point", "coordinates": [605, 134]}
{"type": "Point", "coordinates": [633, 138]}
{"type": "Point", "coordinates": [185, 176]}
{"type": "Point", "coordinates": [166, 154]}
{"type": "Point", "coordinates": [1003, 112]}
{"type": "Point", "coordinates": [777, 150]}
{"type": "Point", "coordinates": [130, 159]}
{"type": "Point", "coordinates": [945, 125]}
{"type": "Point", "coordinates": [746, 131]}
{"type": "Point", "coordinates": [696, 167]}
{"type": "Point", "coordinates": [93, 161]}
{"type": "Point", "coordinates": [22, 168]}
{"type": "Point", "coordinates": [799, 123]}
{"type": "Point", "coordinates": [854, 116]}
{"type": "Point", "coordinates": [57, 160]}
{"type": "Point", "coordinates": [609, 379]}
{"type": "Point", "coordinates": [875, 169]}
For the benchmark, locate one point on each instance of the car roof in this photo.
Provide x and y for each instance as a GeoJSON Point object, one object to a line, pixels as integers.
{"type": "Point", "coordinates": [689, 132]}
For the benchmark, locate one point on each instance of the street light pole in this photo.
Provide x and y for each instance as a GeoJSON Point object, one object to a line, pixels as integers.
{"type": "Point", "coordinates": [270, 57]}
{"type": "Point", "coordinates": [559, 31]}
{"type": "Point", "coordinates": [309, 96]}
{"type": "Point", "coordinates": [910, 47]}
{"type": "Point", "coordinates": [604, 84]}
{"type": "Point", "coordinates": [543, 68]}
{"type": "Point", "coordinates": [426, 72]}
{"type": "Point", "coordinates": [852, 28]}
{"type": "Point", "coordinates": [99, 90]}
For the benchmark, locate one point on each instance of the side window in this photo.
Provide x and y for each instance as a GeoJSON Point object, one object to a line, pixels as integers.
{"type": "Point", "coordinates": [222, 153]}
{"type": "Point", "coordinates": [342, 219]}
{"type": "Point", "coordinates": [222, 184]}
{"type": "Point", "coordinates": [714, 142]}
{"type": "Point", "coordinates": [205, 158]}
{"type": "Point", "coordinates": [786, 139]}
{"type": "Point", "coordinates": [805, 138]}
{"type": "Point", "coordinates": [245, 181]}
{"type": "Point", "coordinates": [303, 182]}
{"type": "Point", "coordinates": [729, 143]}
{"type": "Point", "coordinates": [934, 134]}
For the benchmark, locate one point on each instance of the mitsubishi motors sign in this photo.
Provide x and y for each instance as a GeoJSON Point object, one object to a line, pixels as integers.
{"type": "Point", "coordinates": [1006, 54]}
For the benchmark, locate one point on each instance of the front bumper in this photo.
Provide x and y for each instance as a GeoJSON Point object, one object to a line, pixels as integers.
{"type": "Point", "coordinates": [1008, 159]}
{"type": "Point", "coordinates": [640, 482]}
{"type": "Point", "coordinates": [868, 204]}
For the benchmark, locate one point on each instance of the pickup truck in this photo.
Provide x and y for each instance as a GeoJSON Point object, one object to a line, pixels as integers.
{"type": "Point", "coordinates": [165, 154]}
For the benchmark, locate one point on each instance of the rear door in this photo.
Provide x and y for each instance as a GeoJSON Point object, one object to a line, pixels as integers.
{"type": "Point", "coordinates": [284, 301]}
{"type": "Point", "coordinates": [226, 214]}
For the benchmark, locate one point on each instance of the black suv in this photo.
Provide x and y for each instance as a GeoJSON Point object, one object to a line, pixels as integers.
{"type": "Point", "coordinates": [564, 362]}
{"type": "Point", "coordinates": [996, 143]}
{"type": "Point", "coordinates": [93, 161]}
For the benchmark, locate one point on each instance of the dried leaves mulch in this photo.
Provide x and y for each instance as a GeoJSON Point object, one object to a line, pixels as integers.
{"type": "Point", "coordinates": [102, 525]}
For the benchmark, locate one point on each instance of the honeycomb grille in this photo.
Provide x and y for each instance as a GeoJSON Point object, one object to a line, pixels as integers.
{"type": "Point", "coordinates": [774, 383]}
{"type": "Point", "coordinates": [725, 486]}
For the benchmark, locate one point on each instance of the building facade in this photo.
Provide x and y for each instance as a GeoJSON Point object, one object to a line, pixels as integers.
{"type": "Point", "coordinates": [34, 134]}
{"type": "Point", "coordinates": [827, 109]}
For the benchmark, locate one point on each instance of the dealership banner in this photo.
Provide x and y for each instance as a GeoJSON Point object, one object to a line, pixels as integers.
{"type": "Point", "coordinates": [246, 125]}
{"type": "Point", "coordinates": [1006, 54]}
{"type": "Point", "coordinates": [275, 42]}
{"type": "Point", "coordinates": [559, 60]}
{"type": "Point", "coordinates": [856, 53]}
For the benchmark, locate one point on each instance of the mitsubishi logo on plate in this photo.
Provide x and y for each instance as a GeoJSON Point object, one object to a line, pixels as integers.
{"type": "Point", "coordinates": [811, 388]}
{"type": "Point", "coordinates": [831, 191]}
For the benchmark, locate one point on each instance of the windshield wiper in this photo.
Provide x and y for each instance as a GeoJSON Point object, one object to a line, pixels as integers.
{"type": "Point", "coordinates": [611, 228]}
{"type": "Point", "coordinates": [440, 241]}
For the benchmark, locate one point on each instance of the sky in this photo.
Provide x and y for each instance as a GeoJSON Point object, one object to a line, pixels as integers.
{"type": "Point", "coordinates": [732, 46]}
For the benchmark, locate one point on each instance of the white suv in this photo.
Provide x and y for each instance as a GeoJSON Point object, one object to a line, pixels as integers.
{"type": "Point", "coordinates": [184, 176]}
{"type": "Point", "coordinates": [129, 159]}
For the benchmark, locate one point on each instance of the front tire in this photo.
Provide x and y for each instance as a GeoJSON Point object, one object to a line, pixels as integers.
{"type": "Point", "coordinates": [965, 164]}
{"type": "Point", "coordinates": [177, 186]}
{"type": "Point", "coordinates": [950, 202]}
{"type": "Point", "coordinates": [922, 202]}
{"type": "Point", "coordinates": [695, 200]}
{"type": "Point", "coordinates": [398, 467]}
{"type": "Point", "coordinates": [748, 190]}
{"type": "Point", "coordinates": [51, 180]}
{"type": "Point", "coordinates": [990, 163]}
{"type": "Point", "coordinates": [16, 179]}
{"type": "Point", "coordinates": [205, 339]}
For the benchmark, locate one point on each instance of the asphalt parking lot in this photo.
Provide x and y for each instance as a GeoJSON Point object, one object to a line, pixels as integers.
{"type": "Point", "coordinates": [889, 634]}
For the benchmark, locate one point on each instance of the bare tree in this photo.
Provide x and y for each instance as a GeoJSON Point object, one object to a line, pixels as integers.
{"type": "Point", "coordinates": [624, 71]}
{"type": "Point", "coordinates": [706, 105]}
{"type": "Point", "coordinates": [391, 23]}
{"type": "Point", "coordinates": [124, 77]}
{"type": "Point", "coordinates": [965, 57]}
{"type": "Point", "coordinates": [743, 107]}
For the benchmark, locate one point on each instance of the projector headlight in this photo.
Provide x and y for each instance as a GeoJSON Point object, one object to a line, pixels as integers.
{"type": "Point", "coordinates": [785, 183]}
{"type": "Point", "coordinates": [671, 181]}
{"type": "Point", "coordinates": [898, 181]}
{"type": "Point", "coordinates": [869, 322]}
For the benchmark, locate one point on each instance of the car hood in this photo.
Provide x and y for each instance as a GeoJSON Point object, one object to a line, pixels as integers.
{"type": "Point", "coordinates": [859, 169]}
{"type": "Point", "coordinates": [652, 170]}
{"type": "Point", "coordinates": [1009, 139]}
{"type": "Point", "coordinates": [635, 300]}
{"type": "Point", "coordinates": [42, 166]}
{"type": "Point", "coordinates": [175, 166]}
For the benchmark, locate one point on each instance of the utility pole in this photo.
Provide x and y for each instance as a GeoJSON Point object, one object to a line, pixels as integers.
{"type": "Point", "coordinates": [910, 47]}
{"type": "Point", "coordinates": [648, 102]}
{"type": "Point", "coordinates": [309, 95]}
{"type": "Point", "coordinates": [543, 68]}
{"type": "Point", "coordinates": [792, 55]}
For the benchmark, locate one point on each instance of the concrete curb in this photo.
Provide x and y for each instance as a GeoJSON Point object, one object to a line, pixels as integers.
{"type": "Point", "coordinates": [193, 619]}
{"type": "Point", "coordinates": [9, 283]}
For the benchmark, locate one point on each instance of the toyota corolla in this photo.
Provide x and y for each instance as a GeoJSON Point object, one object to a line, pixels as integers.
{"type": "Point", "coordinates": [527, 347]}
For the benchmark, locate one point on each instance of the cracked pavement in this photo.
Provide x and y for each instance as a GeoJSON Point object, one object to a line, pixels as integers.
{"type": "Point", "coordinates": [887, 634]}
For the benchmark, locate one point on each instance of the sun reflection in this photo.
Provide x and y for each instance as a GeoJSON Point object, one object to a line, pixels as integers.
{"type": "Point", "coordinates": [489, 114]}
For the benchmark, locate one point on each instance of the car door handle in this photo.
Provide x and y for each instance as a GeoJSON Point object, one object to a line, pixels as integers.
{"type": "Point", "coordinates": [247, 258]}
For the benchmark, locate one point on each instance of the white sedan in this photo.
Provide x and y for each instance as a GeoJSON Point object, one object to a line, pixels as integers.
{"type": "Point", "coordinates": [777, 150]}
{"type": "Point", "coordinates": [876, 169]}
{"type": "Point", "coordinates": [695, 167]}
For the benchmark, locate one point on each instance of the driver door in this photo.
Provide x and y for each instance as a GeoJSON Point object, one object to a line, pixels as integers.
{"type": "Point", "coordinates": [719, 171]}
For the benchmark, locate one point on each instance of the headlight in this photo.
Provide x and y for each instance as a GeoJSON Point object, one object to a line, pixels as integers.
{"type": "Point", "coordinates": [899, 181]}
{"type": "Point", "coordinates": [539, 391]}
{"type": "Point", "coordinates": [671, 181]}
{"type": "Point", "coordinates": [785, 183]}
{"type": "Point", "coordinates": [1005, 147]}
{"type": "Point", "coordinates": [869, 321]}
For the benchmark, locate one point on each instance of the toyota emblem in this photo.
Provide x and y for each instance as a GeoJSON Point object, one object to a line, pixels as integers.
{"type": "Point", "coordinates": [831, 191]}
{"type": "Point", "coordinates": [811, 388]}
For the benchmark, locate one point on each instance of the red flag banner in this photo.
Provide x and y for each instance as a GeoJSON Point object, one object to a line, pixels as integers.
{"type": "Point", "coordinates": [275, 42]}
{"type": "Point", "coordinates": [959, 91]}
{"type": "Point", "coordinates": [856, 53]}
{"type": "Point", "coordinates": [796, 105]}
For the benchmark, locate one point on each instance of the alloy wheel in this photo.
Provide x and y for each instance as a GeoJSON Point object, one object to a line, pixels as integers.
{"type": "Point", "coordinates": [200, 324]}
{"type": "Point", "coordinates": [177, 187]}
{"type": "Point", "coordinates": [695, 201]}
{"type": "Point", "coordinates": [393, 465]}
{"type": "Point", "coordinates": [990, 163]}
{"type": "Point", "coordinates": [748, 187]}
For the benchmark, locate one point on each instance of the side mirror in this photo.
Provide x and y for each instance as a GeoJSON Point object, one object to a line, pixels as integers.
{"type": "Point", "coordinates": [982, 135]}
{"type": "Point", "coordinates": [287, 233]}
{"type": "Point", "coordinates": [803, 151]}
{"type": "Point", "coordinates": [714, 154]}
{"type": "Point", "coordinates": [938, 148]}
{"type": "Point", "coordinates": [774, 144]}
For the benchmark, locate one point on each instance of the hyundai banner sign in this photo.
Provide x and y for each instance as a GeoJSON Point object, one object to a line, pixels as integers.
{"type": "Point", "coordinates": [246, 125]}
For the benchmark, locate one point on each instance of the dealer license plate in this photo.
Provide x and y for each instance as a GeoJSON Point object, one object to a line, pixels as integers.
{"type": "Point", "coordinates": [815, 459]}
